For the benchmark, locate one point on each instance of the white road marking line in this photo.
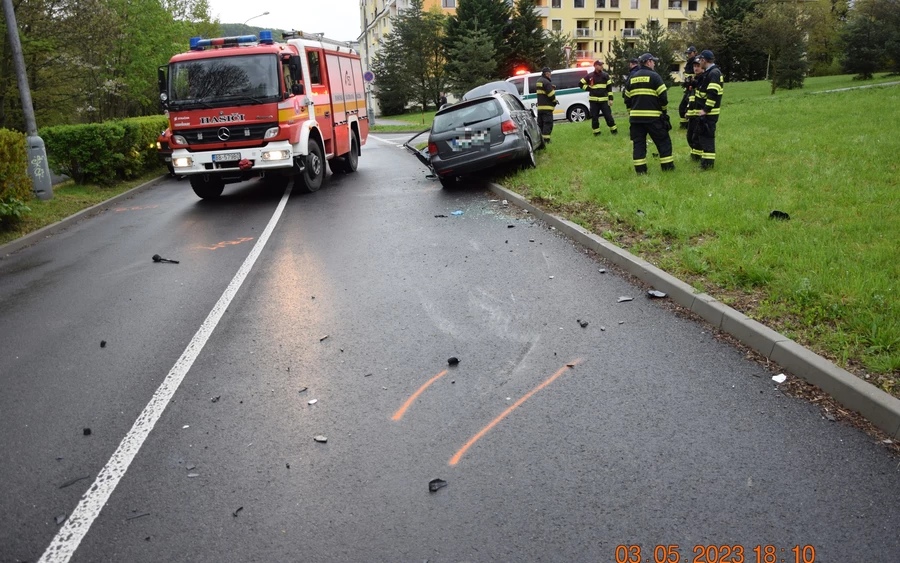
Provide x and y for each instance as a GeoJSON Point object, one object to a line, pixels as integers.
{"type": "Point", "coordinates": [386, 141]}
{"type": "Point", "coordinates": [67, 539]}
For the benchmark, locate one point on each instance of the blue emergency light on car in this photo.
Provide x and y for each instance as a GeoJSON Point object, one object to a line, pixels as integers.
{"type": "Point", "coordinates": [198, 44]}
{"type": "Point", "coordinates": [265, 37]}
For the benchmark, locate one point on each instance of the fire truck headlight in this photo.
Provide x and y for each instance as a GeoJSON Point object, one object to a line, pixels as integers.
{"type": "Point", "coordinates": [179, 140]}
{"type": "Point", "coordinates": [182, 162]}
{"type": "Point", "coordinates": [276, 155]}
{"type": "Point", "coordinates": [271, 133]}
{"type": "Point", "coordinates": [158, 146]}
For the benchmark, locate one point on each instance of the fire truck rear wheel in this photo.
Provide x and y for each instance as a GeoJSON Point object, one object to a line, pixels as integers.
{"type": "Point", "coordinates": [207, 187]}
{"type": "Point", "coordinates": [350, 161]}
{"type": "Point", "coordinates": [314, 172]}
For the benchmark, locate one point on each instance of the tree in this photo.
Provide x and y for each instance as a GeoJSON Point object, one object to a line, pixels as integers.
{"type": "Point", "coordinates": [472, 61]}
{"type": "Point", "coordinates": [872, 37]}
{"type": "Point", "coordinates": [779, 30]}
{"type": "Point", "coordinates": [826, 20]}
{"type": "Point", "coordinates": [421, 49]}
{"type": "Point", "coordinates": [392, 86]}
{"type": "Point", "coordinates": [489, 16]}
{"type": "Point", "coordinates": [653, 40]}
{"type": "Point", "coordinates": [617, 61]}
{"type": "Point", "coordinates": [527, 41]}
{"type": "Point", "coordinates": [554, 52]}
{"type": "Point", "coordinates": [720, 32]}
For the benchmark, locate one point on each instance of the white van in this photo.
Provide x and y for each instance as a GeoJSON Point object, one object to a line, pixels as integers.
{"type": "Point", "coordinates": [573, 101]}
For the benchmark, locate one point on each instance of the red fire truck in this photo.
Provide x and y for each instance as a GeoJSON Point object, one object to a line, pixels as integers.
{"type": "Point", "coordinates": [244, 107]}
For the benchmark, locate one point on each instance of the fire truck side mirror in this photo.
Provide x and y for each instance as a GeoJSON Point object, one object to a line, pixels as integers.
{"type": "Point", "coordinates": [163, 87]}
{"type": "Point", "coordinates": [297, 89]}
{"type": "Point", "coordinates": [296, 69]}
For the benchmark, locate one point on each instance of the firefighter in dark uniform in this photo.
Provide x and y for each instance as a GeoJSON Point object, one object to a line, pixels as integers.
{"type": "Point", "coordinates": [693, 110]}
{"type": "Point", "coordinates": [634, 65]}
{"type": "Point", "coordinates": [691, 53]}
{"type": "Point", "coordinates": [709, 99]}
{"type": "Point", "coordinates": [546, 101]}
{"type": "Point", "coordinates": [648, 103]}
{"type": "Point", "coordinates": [598, 84]}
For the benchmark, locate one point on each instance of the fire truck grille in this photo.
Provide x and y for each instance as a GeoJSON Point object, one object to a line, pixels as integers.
{"type": "Point", "coordinates": [235, 133]}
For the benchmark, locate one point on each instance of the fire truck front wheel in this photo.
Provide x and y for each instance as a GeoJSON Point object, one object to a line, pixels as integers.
{"type": "Point", "coordinates": [314, 169]}
{"type": "Point", "coordinates": [207, 187]}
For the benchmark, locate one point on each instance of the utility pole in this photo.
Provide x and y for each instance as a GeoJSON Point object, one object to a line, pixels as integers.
{"type": "Point", "coordinates": [38, 170]}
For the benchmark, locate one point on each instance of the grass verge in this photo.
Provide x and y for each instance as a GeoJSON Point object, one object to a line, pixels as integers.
{"type": "Point", "coordinates": [68, 198]}
{"type": "Point", "coordinates": [828, 278]}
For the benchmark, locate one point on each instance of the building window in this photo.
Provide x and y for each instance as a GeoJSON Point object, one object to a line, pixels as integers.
{"type": "Point", "coordinates": [556, 4]}
{"type": "Point", "coordinates": [598, 46]}
{"type": "Point", "coordinates": [674, 26]}
{"type": "Point", "coordinates": [654, 4]}
{"type": "Point", "coordinates": [448, 3]}
{"type": "Point", "coordinates": [613, 24]}
{"type": "Point", "coordinates": [598, 25]}
{"type": "Point", "coordinates": [579, 3]}
{"type": "Point", "coordinates": [674, 4]}
{"type": "Point", "coordinates": [614, 4]}
{"type": "Point", "coordinates": [556, 25]}
{"type": "Point", "coordinates": [601, 4]}
{"type": "Point", "coordinates": [635, 4]}
{"type": "Point", "coordinates": [692, 5]}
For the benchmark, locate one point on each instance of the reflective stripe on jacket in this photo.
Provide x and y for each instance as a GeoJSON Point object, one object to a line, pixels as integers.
{"type": "Point", "coordinates": [546, 94]}
{"type": "Point", "coordinates": [598, 86]}
{"type": "Point", "coordinates": [709, 93]}
{"type": "Point", "coordinates": [645, 96]}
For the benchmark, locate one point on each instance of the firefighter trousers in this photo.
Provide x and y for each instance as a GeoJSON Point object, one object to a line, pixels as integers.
{"type": "Point", "coordinates": [693, 138]}
{"type": "Point", "coordinates": [598, 108]}
{"type": "Point", "coordinates": [707, 138]}
{"type": "Point", "coordinates": [682, 110]}
{"type": "Point", "coordinates": [660, 135]}
{"type": "Point", "coordinates": [545, 120]}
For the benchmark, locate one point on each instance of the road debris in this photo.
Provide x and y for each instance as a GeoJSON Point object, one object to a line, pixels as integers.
{"type": "Point", "coordinates": [192, 475]}
{"type": "Point", "coordinates": [453, 361]}
{"type": "Point", "coordinates": [551, 277]}
{"type": "Point", "coordinates": [159, 259]}
{"type": "Point", "coordinates": [641, 213]}
{"type": "Point", "coordinates": [504, 202]}
{"type": "Point", "coordinates": [235, 513]}
{"type": "Point", "coordinates": [215, 399]}
{"type": "Point", "coordinates": [87, 431]}
{"type": "Point", "coordinates": [186, 426]}
{"type": "Point", "coordinates": [302, 390]}
{"type": "Point", "coordinates": [103, 343]}
{"type": "Point", "coordinates": [312, 401]}
{"type": "Point", "coordinates": [60, 519]}
{"type": "Point", "coordinates": [321, 338]}
{"type": "Point", "coordinates": [435, 484]}
{"type": "Point", "coordinates": [602, 270]}
{"type": "Point", "coordinates": [570, 365]}
{"type": "Point", "coordinates": [368, 375]}
{"type": "Point", "coordinates": [779, 215]}
{"type": "Point", "coordinates": [71, 482]}
{"type": "Point", "coordinates": [191, 467]}
{"type": "Point", "coordinates": [624, 299]}
{"type": "Point", "coordinates": [321, 439]}
{"type": "Point", "coordinates": [531, 240]}
{"type": "Point", "coordinates": [582, 323]}
{"type": "Point", "coordinates": [621, 322]}
{"type": "Point", "coordinates": [440, 216]}
{"type": "Point", "coordinates": [780, 378]}
{"type": "Point", "coordinates": [655, 293]}
{"type": "Point", "coordinates": [137, 516]}
{"type": "Point", "coordinates": [602, 328]}
{"type": "Point", "coordinates": [457, 212]}
{"type": "Point", "coordinates": [887, 442]}
{"type": "Point", "coordinates": [830, 417]}
{"type": "Point", "coordinates": [510, 226]}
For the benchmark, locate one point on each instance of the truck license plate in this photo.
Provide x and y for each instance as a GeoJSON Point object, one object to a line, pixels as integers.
{"type": "Point", "coordinates": [226, 157]}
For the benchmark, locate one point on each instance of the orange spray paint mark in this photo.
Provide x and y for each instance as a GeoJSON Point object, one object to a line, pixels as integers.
{"type": "Point", "coordinates": [455, 459]}
{"type": "Point", "coordinates": [225, 243]}
{"type": "Point", "coordinates": [399, 414]}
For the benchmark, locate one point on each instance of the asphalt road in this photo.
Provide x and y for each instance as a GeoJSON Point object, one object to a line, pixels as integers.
{"type": "Point", "coordinates": [658, 435]}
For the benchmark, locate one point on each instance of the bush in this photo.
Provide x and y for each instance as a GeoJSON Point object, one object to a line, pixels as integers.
{"type": "Point", "coordinates": [104, 152]}
{"type": "Point", "coordinates": [15, 185]}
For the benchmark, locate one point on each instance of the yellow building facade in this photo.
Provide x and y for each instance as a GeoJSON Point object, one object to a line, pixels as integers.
{"type": "Point", "coordinates": [375, 22]}
{"type": "Point", "coordinates": [595, 23]}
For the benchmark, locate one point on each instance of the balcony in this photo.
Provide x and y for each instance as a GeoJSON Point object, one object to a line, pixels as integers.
{"type": "Point", "coordinates": [584, 32]}
{"type": "Point", "coordinates": [631, 32]}
{"type": "Point", "coordinates": [583, 54]}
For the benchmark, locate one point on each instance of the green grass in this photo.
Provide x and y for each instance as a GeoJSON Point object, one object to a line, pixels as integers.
{"type": "Point", "coordinates": [418, 119]}
{"type": "Point", "coordinates": [68, 198]}
{"type": "Point", "coordinates": [828, 277]}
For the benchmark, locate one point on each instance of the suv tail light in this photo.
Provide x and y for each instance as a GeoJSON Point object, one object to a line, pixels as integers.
{"type": "Point", "coordinates": [432, 148]}
{"type": "Point", "coordinates": [508, 127]}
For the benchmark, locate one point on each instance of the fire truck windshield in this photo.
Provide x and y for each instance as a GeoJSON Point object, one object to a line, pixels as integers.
{"type": "Point", "coordinates": [224, 81]}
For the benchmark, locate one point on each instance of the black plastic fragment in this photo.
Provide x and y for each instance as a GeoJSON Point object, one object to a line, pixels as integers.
{"type": "Point", "coordinates": [453, 361]}
{"type": "Point", "coordinates": [60, 519]}
{"type": "Point", "coordinates": [235, 513]}
{"type": "Point", "coordinates": [87, 431]}
{"type": "Point", "coordinates": [158, 259]}
{"type": "Point", "coordinates": [779, 215]}
{"type": "Point", "coordinates": [137, 516]}
{"type": "Point", "coordinates": [435, 484]}
{"type": "Point", "coordinates": [583, 324]}
{"type": "Point", "coordinates": [71, 482]}
{"type": "Point", "coordinates": [439, 216]}
{"type": "Point", "coordinates": [103, 343]}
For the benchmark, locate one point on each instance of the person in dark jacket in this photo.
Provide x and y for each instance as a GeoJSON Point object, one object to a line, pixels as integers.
{"type": "Point", "coordinates": [546, 102]}
{"type": "Point", "coordinates": [691, 54]}
{"type": "Point", "coordinates": [692, 113]}
{"type": "Point", "coordinates": [709, 98]}
{"type": "Point", "coordinates": [598, 85]}
{"type": "Point", "coordinates": [648, 103]}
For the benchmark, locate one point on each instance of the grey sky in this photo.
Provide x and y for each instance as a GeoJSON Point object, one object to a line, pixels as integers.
{"type": "Point", "coordinates": [337, 19]}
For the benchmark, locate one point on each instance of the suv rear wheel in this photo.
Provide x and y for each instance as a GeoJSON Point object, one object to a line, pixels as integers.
{"type": "Point", "coordinates": [577, 113]}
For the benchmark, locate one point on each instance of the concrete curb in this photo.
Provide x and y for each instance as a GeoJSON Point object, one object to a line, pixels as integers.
{"type": "Point", "coordinates": [50, 230]}
{"type": "Point", "coordinates": [880, 408]}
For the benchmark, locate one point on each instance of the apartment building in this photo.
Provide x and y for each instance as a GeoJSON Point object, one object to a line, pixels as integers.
{"type": "Point", "coordinates": [375, 22]}
{"type": "Point", "coordinates": [595, 23]}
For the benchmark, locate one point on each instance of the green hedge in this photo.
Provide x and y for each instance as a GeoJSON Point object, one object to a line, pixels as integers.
{"type": "Point", "coordinates": [104, 152]}
{"type": "Point", "coordinates": [15, 185]}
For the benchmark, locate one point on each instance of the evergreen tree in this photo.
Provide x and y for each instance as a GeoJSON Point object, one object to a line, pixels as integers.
{"type": "Point", "coordinates": [554, 53]}
{"type": "Point", "coordinates": [393, 88]}
{"type": "Point", "coordinates": [489, 16]}
{"type": "Point", "coordinates": [792, 66]}
{"type": "Point", "coordinates": [617, 61]}
{"type": "Point", "coordinates": [527, 41]}
{"type": "Point", "coordinates": [653, 40]}
{"type": "Point", "coordinates": [736, 59]}
{"type": "Point", "coordinates": [872, 38]}
{"type": "Point", "coordinates": [827, 19]}
{"type": "Point", "coordinates": [472, 61]}
{"type": "Point", "coordinates": [778, 29]}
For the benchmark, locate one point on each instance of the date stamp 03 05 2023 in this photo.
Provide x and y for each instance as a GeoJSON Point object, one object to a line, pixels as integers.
{"type": "Point", "coordinates": [715, 554]}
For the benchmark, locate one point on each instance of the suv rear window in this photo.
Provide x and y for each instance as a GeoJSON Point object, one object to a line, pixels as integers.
{"type": "Point", "coordinates": [468, 114]}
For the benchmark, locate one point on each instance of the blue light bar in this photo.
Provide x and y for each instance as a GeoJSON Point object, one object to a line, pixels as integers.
{"type": "Point", "coordinates": [265, 37]}
{"type": "Point", "coordinates": [198, 44]}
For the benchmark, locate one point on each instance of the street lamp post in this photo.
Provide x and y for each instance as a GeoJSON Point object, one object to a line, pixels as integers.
{"type": "Point", "coordinates": [254, 17]}
{"type": "Point", "coordinates": [37, 154]}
